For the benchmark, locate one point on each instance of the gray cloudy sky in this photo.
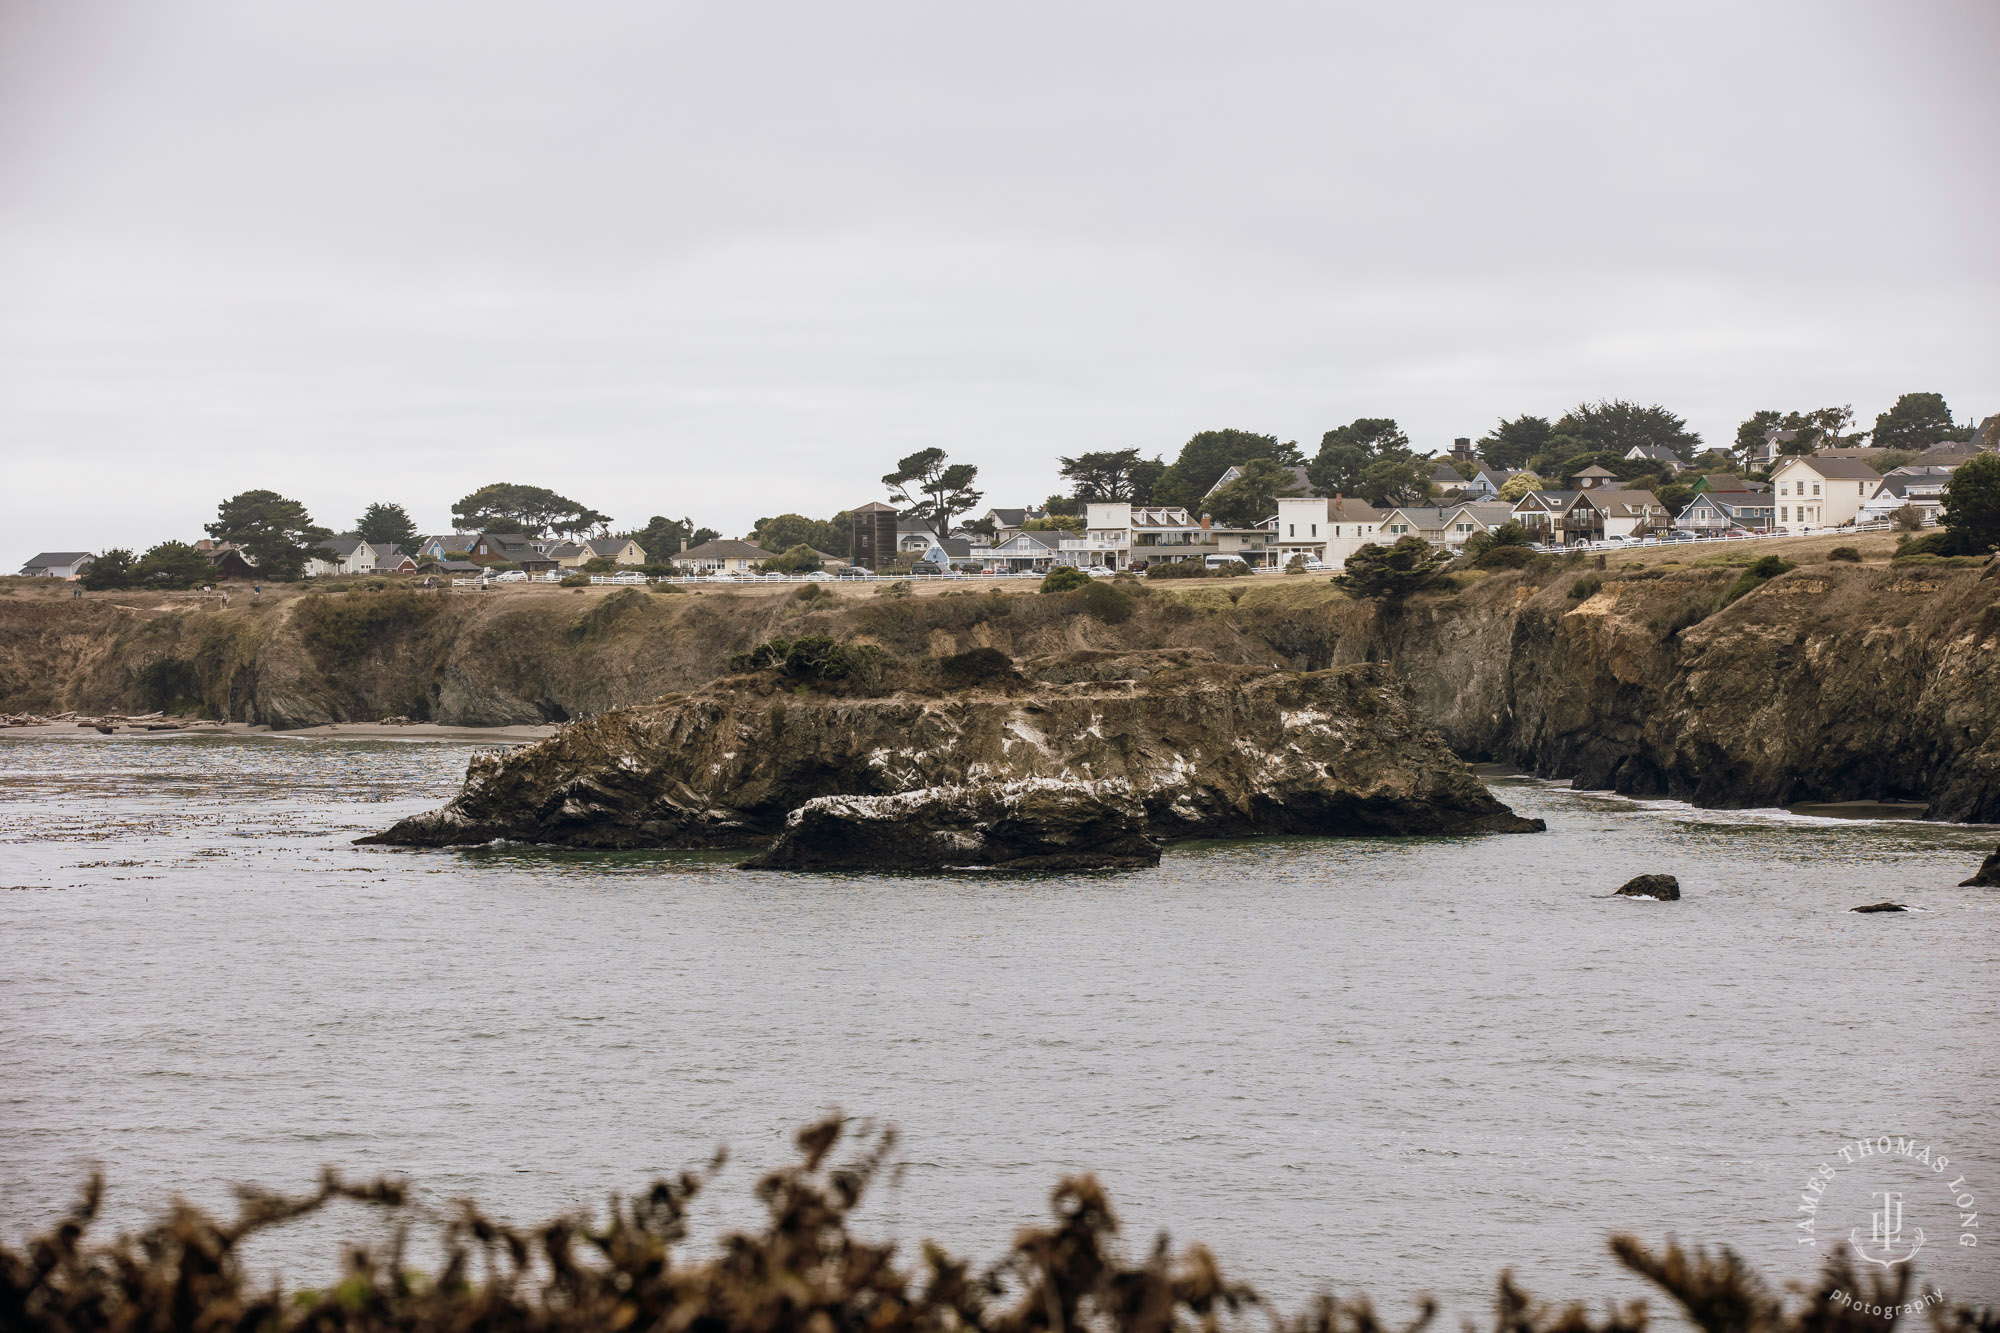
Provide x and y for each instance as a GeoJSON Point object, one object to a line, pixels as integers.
{"type": "Point", "coordinates": [732, 260]}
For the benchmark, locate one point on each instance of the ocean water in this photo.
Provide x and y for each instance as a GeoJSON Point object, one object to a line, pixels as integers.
{"type": "Point", "coordinates": [1396, 1065]}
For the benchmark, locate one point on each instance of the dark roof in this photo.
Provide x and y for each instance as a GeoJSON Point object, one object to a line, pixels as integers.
{"type": "Point", "coordinates": [1851, 469]}
{"type": "Point", "coordinates": [1235, 470]}
{"type": "Point", "coordinates": [727, 548]}
{"type": "Point", "coordinates": [48, 558]}
{"type": "Point", "coordinates": [1596, 470]}
{"type": "Point", "coordinates": [1009, 518]}
{"type": "Point", "coordinates": [1658, 452]}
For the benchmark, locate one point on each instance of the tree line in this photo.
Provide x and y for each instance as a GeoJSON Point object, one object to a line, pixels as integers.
{"type": "Point", "coordinates": [279, 534]}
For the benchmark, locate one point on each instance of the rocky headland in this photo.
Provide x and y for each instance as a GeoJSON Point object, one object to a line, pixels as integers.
{"type": "Point", "coordinates": [1834, 682]}
{"type": "Point", "coordinates": [1206, 750]}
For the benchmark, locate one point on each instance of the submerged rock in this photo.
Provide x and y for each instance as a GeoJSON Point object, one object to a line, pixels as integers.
{"type": "Point", "coordinates": [1037, 824]}
{"type": "Point", "coordinates": [1206, 751]}
{"type": "Point", "coordinates": [1882, 907]}
{"type": "Point", "coordinates": [1988, 876]}
{"type": "Point", "coordinates": [1663, 887]}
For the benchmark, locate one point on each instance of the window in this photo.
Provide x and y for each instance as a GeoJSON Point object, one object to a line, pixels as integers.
{"type": "Point", "coordinates": [1291, 529]}
{"type": "Point", "coordinates": [1315, 529]}
{"type": "Point", "coordinates": [1815, 488]}
{"type": "Point", "coordinates": [1784, 514]}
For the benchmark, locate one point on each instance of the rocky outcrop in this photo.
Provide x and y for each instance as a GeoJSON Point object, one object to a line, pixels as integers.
{"type": "Point", "coordinates": [1037, 824]}
{"type": "Point", "coordinates": [1834, 682]}
{"type": "Point", "coordinates": [1205, 751]}
{"type": "Point", "coordinates": [1882, 907]}
{"type": "Point", "coordinates": [1988, 876]}
{"type": "Point", "coordinates": [1664, 888]}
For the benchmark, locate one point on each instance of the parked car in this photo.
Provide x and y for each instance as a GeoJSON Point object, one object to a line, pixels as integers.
{"type": "Point", "coordinates": [511, 576]}
{"type": "Point", "coordinates": [854, 572]}
{"type": "Point", "coordinates": [1098, 571]}
{"type": "Point", "coordinates": [925, 567]}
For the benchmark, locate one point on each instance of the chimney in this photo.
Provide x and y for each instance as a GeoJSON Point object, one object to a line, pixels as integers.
{"type": "Point", "coordinates": [1205, 521]}
{"type": "Point", "coordinates": [684, 543]}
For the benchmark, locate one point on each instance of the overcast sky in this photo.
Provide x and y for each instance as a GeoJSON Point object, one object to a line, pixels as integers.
{"type": "Point", "coordinates": [733, 260]}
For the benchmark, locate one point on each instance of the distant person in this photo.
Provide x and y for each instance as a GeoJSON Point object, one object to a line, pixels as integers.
{"type": "Point", "coordinates": [225, 599]}
{"type": "Point", "coordinates": [76, 592]}
{"type": "Point", "coordinates": [256, 590]}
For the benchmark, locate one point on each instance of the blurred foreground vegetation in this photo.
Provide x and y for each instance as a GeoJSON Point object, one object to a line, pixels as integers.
{"type": "Point", "coordinates": [805, 1270]}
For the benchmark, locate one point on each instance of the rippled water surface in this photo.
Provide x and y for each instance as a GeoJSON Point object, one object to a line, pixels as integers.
{"type": "Point", "coordinates": [1401, 1065]}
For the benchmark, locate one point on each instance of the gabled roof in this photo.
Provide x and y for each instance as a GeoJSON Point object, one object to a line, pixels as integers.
{"type": "Point", "coordinates": [56, 560]}
{"type": "Point", "coordinates": [342, 547]}
{"type": "Point", "coordinates": [727, 548]}
{"type": "Point", "coordinates": [1020, 541]}
{"type": "Point", "coordinates": [1232, 472]}
{"type": "Point", "coordinates": [873, 507]}
{"type": "Point", "coordinates": [1833, 469]}
{"type": "Point", "coordinates": [1492, 512]}
{"type": "Point", "coordinates": [387, 552]}
{"type": "Point", "coordinates": [1659, 453]}
{"type": "Point", "coordinates": [1007, 518]}
{"type": "Point", "coordinates": [1596, 470]}
{"type": "Point", "coordinates": [1628, 504]}
{"type": "Point", "coordinates": [608, 545]}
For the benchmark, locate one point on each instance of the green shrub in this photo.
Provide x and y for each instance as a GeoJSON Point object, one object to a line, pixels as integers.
{"type": "Point", "coordinates": [113, 569]}
{"type": "Point", "coordinates": [811, 595]}
{"type": "Point", "coordinates": [1937, 542]}
{"type": "Point", "coordinates": [669, 587]}
{"type": "Point", "coordinates": [1106, 603]}
{"type": "Point", "coordinates": [600, 564]}
{"type": "Point", "coordinates": [1925, 558]}
{"type": "Point", "coordinates": [816, 657]}
{"type": "Point", "coordinates": [1503, 557]}
{"type": "Point", "coordinates": [575, 581]}
{"type": "Point", "coordinates": [173, 565]}
{"type": "Point", "coordinates": [1177, 569]}
{"type": "Point", "coordinates": [1756, 575]}
{"type": "Point", "coordinates": [1230, 569]}
{"type": "Point", "coordinates": [1508, 534]}
{"type": "Point", "coordinates": [1850, 554]}
{"type": "Point", "coordinates": [1587, 586]}
{"type": "Point", "coordinates": [1065, 578]}
{"type": "Point", "coordinates": [799, 559]}
{"type": "Point", "coordinates": [1391, 573]}
{"type": "Point", "coordinates": [981, 666]}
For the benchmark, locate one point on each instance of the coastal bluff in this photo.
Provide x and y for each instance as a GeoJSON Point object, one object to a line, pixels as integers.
{"type": "Point", "coordinates": [1833, 682]}
{"type": "Point", "coordinates": [1209, 750]}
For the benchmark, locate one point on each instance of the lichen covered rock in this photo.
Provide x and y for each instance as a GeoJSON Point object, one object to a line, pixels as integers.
{"type": "Point", "coordinates": [1036, 824]}
{"type": "Point", "coordinates": [1206, 751]}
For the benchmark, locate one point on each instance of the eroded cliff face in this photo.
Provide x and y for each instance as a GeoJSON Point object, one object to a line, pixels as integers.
{"type": "Point", "coordinates": [1833, 682]}
{"type": "Point", "coordinates": [1207, 751]}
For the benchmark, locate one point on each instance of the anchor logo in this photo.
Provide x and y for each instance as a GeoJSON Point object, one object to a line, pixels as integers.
{"type": "Point", "coordinates": [1885, 1232]}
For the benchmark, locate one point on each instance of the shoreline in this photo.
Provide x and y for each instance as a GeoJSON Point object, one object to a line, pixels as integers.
{"type": "Point", "coordinates": [148, 728]}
